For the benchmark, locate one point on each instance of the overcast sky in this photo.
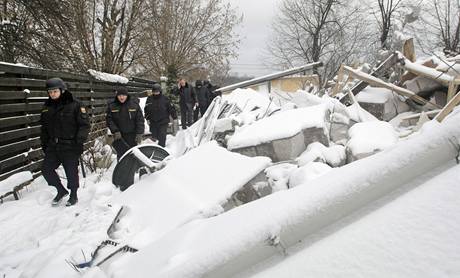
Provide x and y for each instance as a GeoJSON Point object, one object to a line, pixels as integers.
{"type": "Point", "coordinates": [254, 32]}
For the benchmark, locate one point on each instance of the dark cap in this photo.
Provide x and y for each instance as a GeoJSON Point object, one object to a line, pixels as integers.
{"type": "Point", "coordinates": [121, 91]}
{"type": "Point", "coordinates": [156, 88]}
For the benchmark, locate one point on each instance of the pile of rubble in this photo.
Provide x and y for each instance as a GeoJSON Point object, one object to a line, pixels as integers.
{"type": "Point", "coordinates": [362, 114]}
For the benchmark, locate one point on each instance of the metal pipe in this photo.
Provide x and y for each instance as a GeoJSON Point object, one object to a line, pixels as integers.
{"type": "Point", "coordinates": [269, 77]}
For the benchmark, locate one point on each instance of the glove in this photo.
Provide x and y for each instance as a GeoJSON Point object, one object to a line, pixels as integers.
{"type": "Point", "coordinates": [116, 135]}
{"type": "Point", "coordinates": [138, 138]}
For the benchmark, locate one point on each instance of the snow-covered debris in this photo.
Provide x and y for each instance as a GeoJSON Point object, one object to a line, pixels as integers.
{"type": "Point", "coordinates": [307, 173]}
{"type": "Point", "coordinates": [381, 102]}
{"type": "Point", "coordinates": [230, 243]}
{"type": "Point", "coordinates": [278, 175]}
{"type": "Point", "coordinates": [284, 124]}
{"type": "Point", "coordinates": [12, 181]}
{"type": "Point", "coordinates": [191, 186]}
{"type": "Point", "coordinates": [375, 95]}
{"type": "Point", "coordinates": [411, 237]}
{"type": "Point", "coordinates": [369, 137]}
{"type": "Point", "coordinates": [103, 76]}
{"type": "Point", "coordinates": [334, 155]}
{"type": "Point", "coordinates": [249, 100]}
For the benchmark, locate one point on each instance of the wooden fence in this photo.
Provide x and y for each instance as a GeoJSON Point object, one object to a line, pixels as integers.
{"type": "Point", "coordinates": [22, 93]}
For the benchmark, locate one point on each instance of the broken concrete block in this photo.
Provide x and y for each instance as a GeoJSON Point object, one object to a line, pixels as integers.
{"type": "Point", "coordinates": [286, 148]}
{"type": "Point", "coordinates": [315, 134]}
{"type": "Point", "coordinates": [290, 148]}
{"type": "Point", "coordinates": [300, 127]}
{"type": "Point", "coordinates": [367, 138]}
{"type": "Point", "coordinates": [381, 102]}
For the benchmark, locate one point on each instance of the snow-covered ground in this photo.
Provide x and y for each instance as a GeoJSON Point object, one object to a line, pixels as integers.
{"type": "Point", "coordinates": [393, 214]}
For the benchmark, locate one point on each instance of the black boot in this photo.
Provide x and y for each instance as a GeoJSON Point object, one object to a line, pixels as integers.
{"type": "Point", "coordinates": [61, 193]}
{"type": "Point", "coordinates": [73, 199]}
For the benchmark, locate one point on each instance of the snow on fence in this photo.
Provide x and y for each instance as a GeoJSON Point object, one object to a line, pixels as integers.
{"type": "Point", "coordinates": [22, 93]}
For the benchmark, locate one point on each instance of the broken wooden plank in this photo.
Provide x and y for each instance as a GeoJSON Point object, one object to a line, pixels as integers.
{"type": "Point", "coordinates": [409, 50]}
{"type": "Point", "coordinates": [453, 86]}
{"type": "Point", "coordinates": [376, 82]}
{"type": "Point", "coordinates": [388, 63]}
{"type": "Point", "coordinates": [427, 72]}
{"type": "Point", "coordinates": [448, 108]}
{"type": "Point", "coordinates": [338, 85]}
{"type": "Point", "coordinates": [413, 119]}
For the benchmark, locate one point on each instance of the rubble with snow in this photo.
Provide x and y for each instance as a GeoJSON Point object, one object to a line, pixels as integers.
{"type": "Point", "coordinates": [265, 184]}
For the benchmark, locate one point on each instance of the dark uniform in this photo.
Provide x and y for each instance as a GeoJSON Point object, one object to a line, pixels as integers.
{"type": "Point", "coordinates": [65, 127]}
{"type": "Point", "coordinates": [203, 96]}
{"type": "Point", "coordinates": [187, 101]}
{"type": "Point", "coordinates": [127, 119]}
{"type": "Point", "coordinates": [158, 108]}
{"type": "Point", "coordinates": [212, 90]}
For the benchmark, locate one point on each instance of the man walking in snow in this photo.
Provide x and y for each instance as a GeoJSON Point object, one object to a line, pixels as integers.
{"type": "Point", "coordinates": [158, 108]}
{"type": "Point", "coordinates": [65, 127]}
{"type": "Point", "coordinates": [187, 102]}
{"type": "Point", "coordinates": [125, 120]}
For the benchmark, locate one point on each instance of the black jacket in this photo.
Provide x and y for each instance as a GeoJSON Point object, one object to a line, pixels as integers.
{"type": "Point", "coordinates": [203, 95]}
{"type": "Point", "coordinates": [186, 95]}
{"type": "Point", "coordinates": [125, 118]}
{"type": "Point", "coordinates": [158, 109]}
{"type": "Point", "coordinates": [65, 124]}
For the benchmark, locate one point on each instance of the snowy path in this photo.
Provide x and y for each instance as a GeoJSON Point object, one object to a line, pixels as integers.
{"type": "Point", "coordinates": [37, 239]}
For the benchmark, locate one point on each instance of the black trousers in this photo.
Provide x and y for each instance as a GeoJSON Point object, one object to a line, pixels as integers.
{"type": "Point", "coordinates": [186, 115]}
{"type": "Point", "coordinates": [159, 132]}
{"type": "Point", "coordinates": [127, 141]}
{"type": "Point", "coordinates": [200, 110]}
{"type": "Point", "coordinates": [69, 161]}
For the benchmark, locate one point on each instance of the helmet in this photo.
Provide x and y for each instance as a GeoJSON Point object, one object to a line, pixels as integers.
{"type": "Point", "coordinates": [156, 88]}
{"type": "Point", "coordinates": [55, 83]}
{"type": "Point", "coordinates": [198, 83]}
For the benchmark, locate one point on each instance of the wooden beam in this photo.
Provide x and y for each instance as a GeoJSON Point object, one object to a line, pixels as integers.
{"type": "Point", "coordinates": [453, 86]}
{"type": "Point", "coordinates": [448, 108]}
{"type": "Point", "coordinates": [409, 50]}
{"type": "Point", "coordinates": [427, 72]}
{"type": "Point", "coordinates": [388, 63]}
{"type": "Point", "coordinates": [376, 82]}
{"type": "Point", "coordinates": [338, 85]}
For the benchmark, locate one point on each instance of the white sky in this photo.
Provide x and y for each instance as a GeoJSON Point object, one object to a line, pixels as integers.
{"type": "Point", "coordinates": [254, 31]}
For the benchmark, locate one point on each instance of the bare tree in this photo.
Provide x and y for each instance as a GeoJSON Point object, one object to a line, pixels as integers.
{"type": "Point", "coordinates": [387, 9]}
{"type": "Point", "coordinates": [13, 30]}
{"type": "Point", "coordinates": [82, 34]}
{"type": "Point", "coordinates": [182, 35]}
{"type": "Point", "coordinates": [310, 31]}
{"type": "Point", "coordinates": [447, 25]}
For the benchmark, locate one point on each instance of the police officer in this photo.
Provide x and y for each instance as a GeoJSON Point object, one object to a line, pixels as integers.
{"type": "Point", "coordinates": [158, 108]}
{"type": "Point", "coordinates": [125, 120]}
{"type": "Point", "coordinates": [203, 96]}
{"type": "Point", "coordinates": [65, 127]}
